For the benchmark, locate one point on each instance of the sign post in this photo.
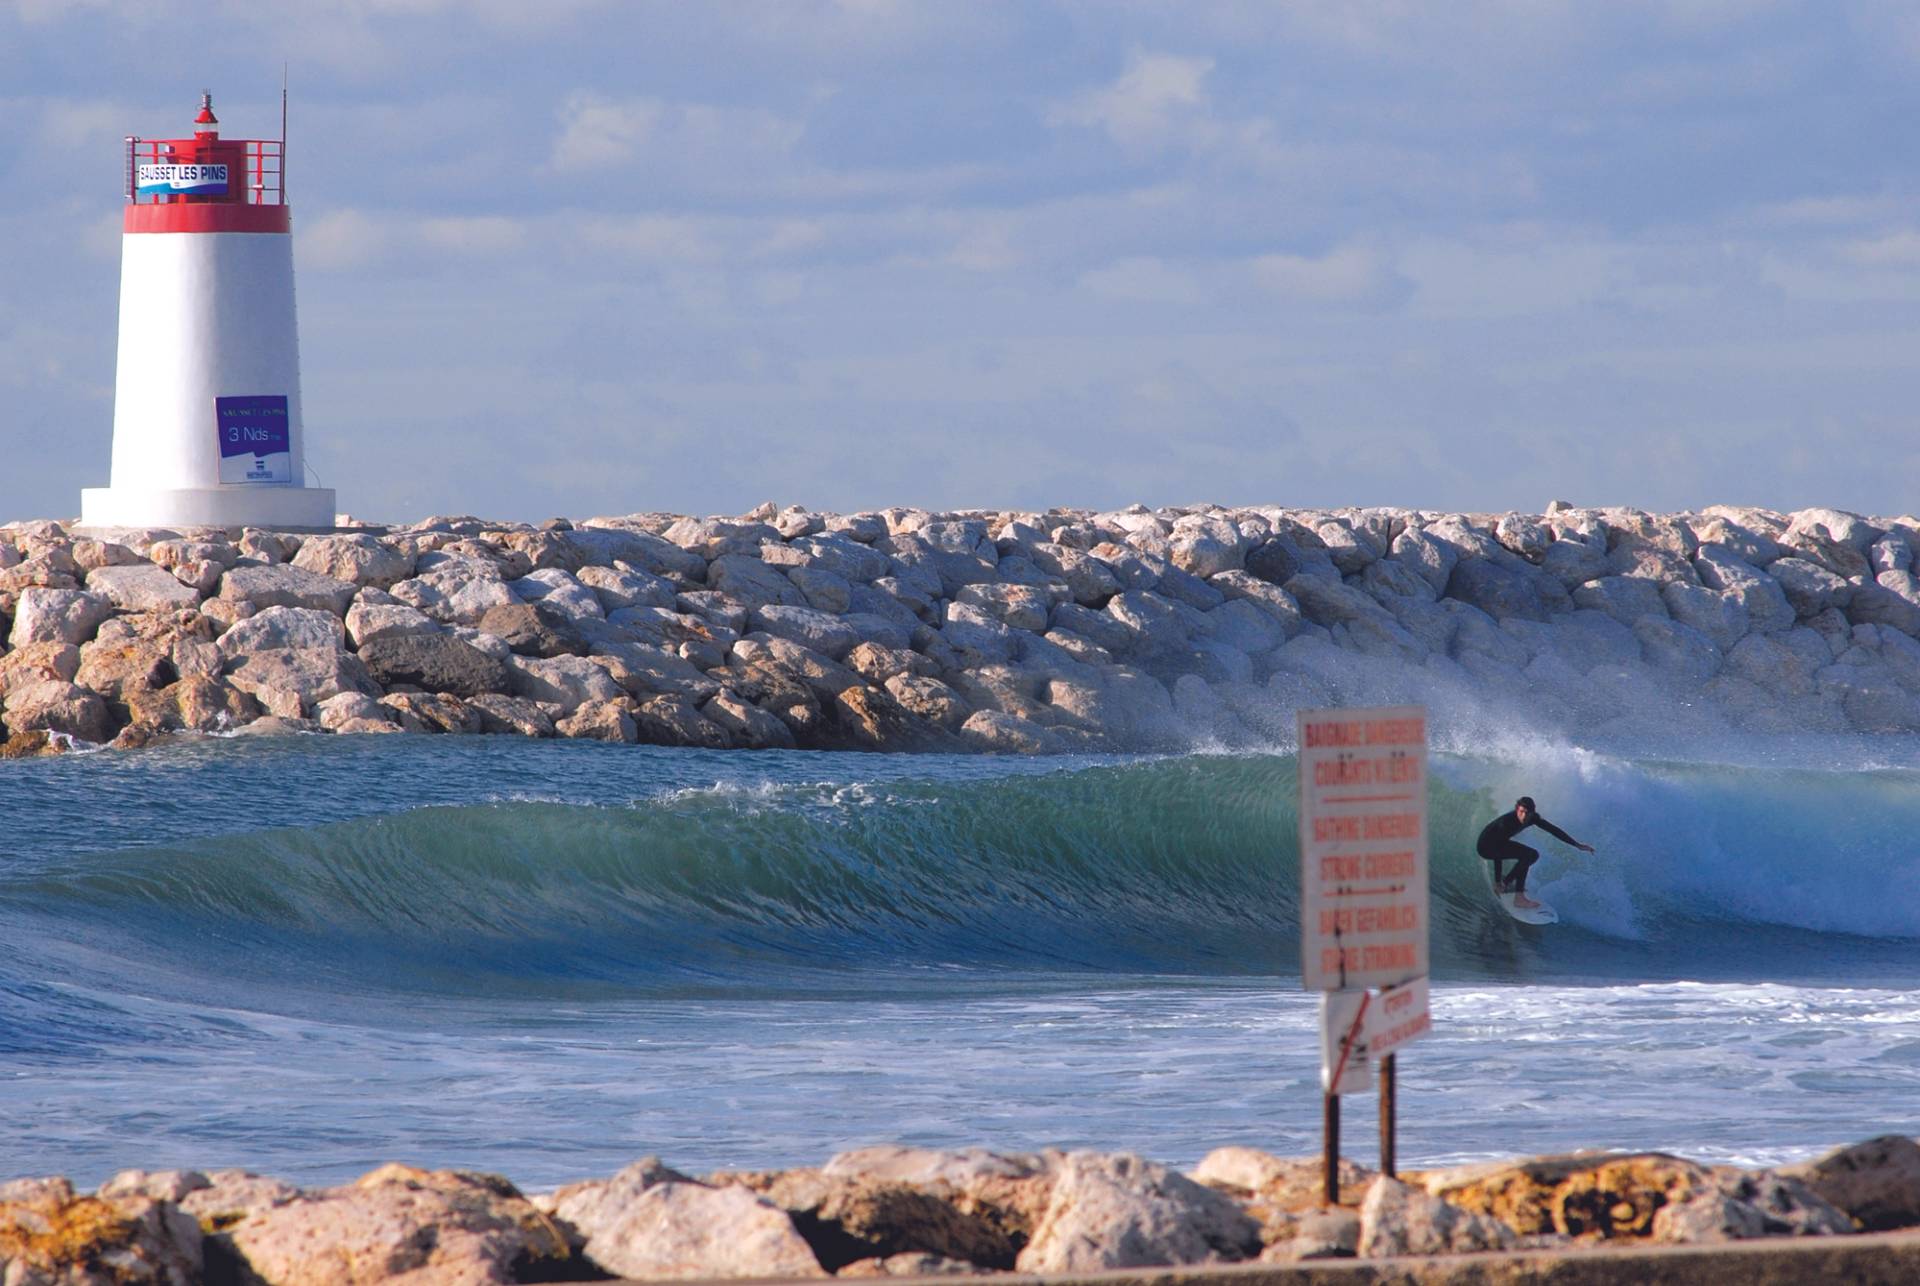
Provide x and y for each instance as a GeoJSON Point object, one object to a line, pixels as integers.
{"type": "Point", "coordinates": [1363, 901]}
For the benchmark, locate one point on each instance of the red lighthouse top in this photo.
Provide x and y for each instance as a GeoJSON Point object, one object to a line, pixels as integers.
{"type": "Point", "coordinates": [206, 183]}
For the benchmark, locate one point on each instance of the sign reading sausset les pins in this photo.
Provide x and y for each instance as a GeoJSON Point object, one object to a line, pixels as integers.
{"type": "Point", "coordinates": [1363, 847]}
{"type": "Point", "coordinates": [181, 180]}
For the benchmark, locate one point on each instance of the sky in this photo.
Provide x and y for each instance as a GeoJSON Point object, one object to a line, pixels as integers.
{"type": "Point", "coordinates": [578, 257]}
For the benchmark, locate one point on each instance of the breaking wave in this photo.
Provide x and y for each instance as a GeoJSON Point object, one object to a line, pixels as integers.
{"type": "Point", "coordinates": [1175, 866]}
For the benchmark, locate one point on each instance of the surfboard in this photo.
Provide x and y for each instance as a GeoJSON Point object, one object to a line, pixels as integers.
{"type": "Point", "coordinates": [1542, 914]}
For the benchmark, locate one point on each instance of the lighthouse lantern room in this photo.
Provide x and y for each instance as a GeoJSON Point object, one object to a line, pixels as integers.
{"type": "Point", "coordinates": [206, 416]}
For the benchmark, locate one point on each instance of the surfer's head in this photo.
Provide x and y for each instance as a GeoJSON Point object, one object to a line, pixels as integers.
{"type": "Point", "coordinates": [1523, 807]}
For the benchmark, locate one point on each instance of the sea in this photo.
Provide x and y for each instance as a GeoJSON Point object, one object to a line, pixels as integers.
{"type": "Point", "coordinates": [309, 955]}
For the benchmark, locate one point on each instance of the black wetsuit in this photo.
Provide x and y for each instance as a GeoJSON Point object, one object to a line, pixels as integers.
{"type": "Point", "coordinates": [1497, 845]}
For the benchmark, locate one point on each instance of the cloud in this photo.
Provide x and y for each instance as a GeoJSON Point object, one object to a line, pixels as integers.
{"type": "Point", "coordinates": [1142, 280]}
{"type": "Point", "coordinates": [484, 234]}
{"type": "Point", "coordinates": [1897, 249]}
{"type": "Point", "coordinates": [1152, 101]}
{"type": "Point", "coordinates": [598, 132]}
{"type": "Point", "coordinates": [339, 240]}
{"type": "Point", "coordinates": [1348, 274]}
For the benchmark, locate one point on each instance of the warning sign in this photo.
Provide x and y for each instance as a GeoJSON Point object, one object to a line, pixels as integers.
{"type": "Point", "coordinates": [1363, 847]}
{"type": "Point", "coordinates": [1345, 1016]}
{"type": "Point", "coordinates": [1397, 1015]}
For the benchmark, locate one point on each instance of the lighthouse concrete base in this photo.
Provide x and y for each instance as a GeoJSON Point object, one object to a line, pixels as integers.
{"type": "Point", "coordinates": [278, 508]}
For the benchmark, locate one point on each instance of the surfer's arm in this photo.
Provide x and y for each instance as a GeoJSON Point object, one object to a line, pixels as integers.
{"type": "Point", "coordinates": [1561, 835]}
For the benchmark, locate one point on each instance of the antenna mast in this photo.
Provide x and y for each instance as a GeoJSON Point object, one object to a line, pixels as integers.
{"type": "Point", "coordinates": [283, 133]}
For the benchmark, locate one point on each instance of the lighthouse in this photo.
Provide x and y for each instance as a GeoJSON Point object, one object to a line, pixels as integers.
{"type": "Point", "coordinates": [207, 429]}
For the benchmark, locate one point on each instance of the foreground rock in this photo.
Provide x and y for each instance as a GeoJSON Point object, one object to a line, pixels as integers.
{"type": "Point", "coordinates": [995, 632]}
{"type": "Point", "coordinates": [902, 1211]}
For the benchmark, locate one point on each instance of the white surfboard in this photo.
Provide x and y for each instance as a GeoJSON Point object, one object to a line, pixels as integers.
{"type": "Point", "coordinates": [1542, 914]}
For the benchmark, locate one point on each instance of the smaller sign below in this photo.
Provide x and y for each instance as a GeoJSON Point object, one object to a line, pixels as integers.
{"type": "Point", "coordinates": [1396, 1016]}
{"type": "Point", "coordinates": [1345, 1067]}
{"type": "Point", "coordinates": [256, 443]}
{"type": "Point", "coordinates": [180, 180]}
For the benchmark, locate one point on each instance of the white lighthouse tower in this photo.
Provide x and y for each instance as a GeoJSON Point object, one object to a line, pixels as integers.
{"type": "Point", "coordinates": [206, 413]}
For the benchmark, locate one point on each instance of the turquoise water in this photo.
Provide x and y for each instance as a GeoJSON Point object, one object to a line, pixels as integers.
{"type": "Point", "coordinates": [309, 955]}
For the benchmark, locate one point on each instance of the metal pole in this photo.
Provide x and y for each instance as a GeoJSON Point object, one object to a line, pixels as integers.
{"type": "Point", "coordinates": [1330, 1180]}
{"type": "Point", "coordinates": [1386, 1116]}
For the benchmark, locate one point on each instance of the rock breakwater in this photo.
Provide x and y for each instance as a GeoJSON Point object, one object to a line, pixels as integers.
{"type": "Point", "coordinates": [898, 1211]}
{"type": "Point", "coordinates": [905, 629]}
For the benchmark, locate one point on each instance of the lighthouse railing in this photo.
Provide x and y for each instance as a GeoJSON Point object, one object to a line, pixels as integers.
{"type": "Point", "coordinates": [262, 165]}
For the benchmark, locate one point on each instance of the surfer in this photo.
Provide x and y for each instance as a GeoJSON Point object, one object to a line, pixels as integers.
{"type": "Point", "coordinates": [1497, 845]}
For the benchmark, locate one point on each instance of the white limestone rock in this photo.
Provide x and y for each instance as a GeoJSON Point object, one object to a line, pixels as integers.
{"type": "Point", "coordinates": [561, 591]}
{"type": "Point", "coordinates": [1427, 555]}
{"type": "Point", "coordinates": [141, 587]}
{"type": "Point", "coordinates": [648, 671]}
{"type": "Point", "coordinates": [864, 528]}
{"type": "Point", "coordinates": [565, 681]}
{"type": "Point", "coordinates": [500, 713]}
{"type": "Point", "coordinates": [44, 615]}
{"type": "Point", "coordinates": [1090, 581]}
{"type": "Point", "coordinates": [454, 595]}
{"type": "Point", "coordinates": [1526, 536]}
{"type": "Point", "coordinates": [367, 622]}
{"type": "Point", "coordinates": [1269, 598]}
{"type": "Point", "coordinates": [1574, 562]}
{"type": "Point", "coordinates": [977, 637]}
{"type": "Point", "coordinates": [357, 558]}
{"type": "Point", "coordinates": [291, 681]}
{"type": "Point", "coordinates": [1892, 600]}
{"type": "Point", "coordinates": [1848, 529]}
{"type": "Point", "coordinates": [1677, 649]}
{"type": "Point", "coordinates": [281, 585]}
{"type": "Point", "coordinates": [623, 586]}
{"type": "Point", "coordinates": [1809, 588]}
{"type": "Point", "coordinates": [1351, 549]}
{"type": "Point", "coordinates": [690, 1232]}
{"type": "Point", "coordinates": [1019, 607]}
{"type": "Point", "coordinates": [345, 708]}
{"type": "Point", "coordinates": [1399, 1219]}
{"type": "Point", "coordinates": [56, 706]}
{"type": "Point", "coordinates": [282, 627]}
{"type": "Point", "coordinates": [825, 591]}
{"type": "Point", "coordinates": [749, 727]}
{"type": "Point", "coordinates": [1155, 626]}
{"type": "Point", "coordinates": [1893, 552]}
{"type": "Point", "coordinates": [1205, 553]}
{"type": "Point", "coordinates": [749, 581]}
{"type": "Point", "coordinates": [397, 1224]}
{"type": "Point", "coordinates": [1626, 599]}
{"type": "Point", "coordinates": [996, 733]}
{"type": "Point", "coordinates": [930, 699]}
{"type": "Point", "coordinates": [824, 678]}
{"type": "Point", "coordinates": [607, 544]}
{"type": "Point", "coordinates": [1108, 1211]}
{"type": "Point", "coordinates": [843, 555]}
{"type": "Point", "coordinates": [599, 721]}
{"type": "Point", "coordinates": [1721, 616]}
{"type": "Point", "coordinates": [817, 631]}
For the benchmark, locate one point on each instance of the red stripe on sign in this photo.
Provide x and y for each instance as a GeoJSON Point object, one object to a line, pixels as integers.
{"type": "Point", "coordinates": [229, 216]}
{"type": "Point", "coordinates": [1367, 799]}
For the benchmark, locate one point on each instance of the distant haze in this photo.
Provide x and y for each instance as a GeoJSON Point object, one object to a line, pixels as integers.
{"type": "Point", "coordinates": [578, 258]}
